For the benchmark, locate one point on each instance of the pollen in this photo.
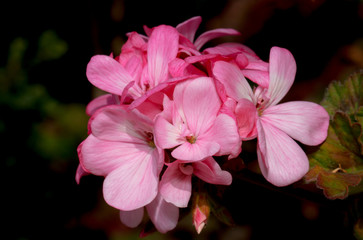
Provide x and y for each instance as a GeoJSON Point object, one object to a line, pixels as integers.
{"type": "Point", "coordinates": [191, 139]}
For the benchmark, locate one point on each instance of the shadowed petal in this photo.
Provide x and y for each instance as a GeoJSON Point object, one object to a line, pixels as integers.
{"type": "Point", "coordinates": [209, 171]}
{"type": "Point", "coordinates": [246, 116]}
{"type": "Point", "coordinates": [164, 215]}
{"type": "Point", "coordinates": [280, 158]}
{"type": "Point", "coordinates": [166, 135]}
{"type": "Point", "coordinates": [132, 218]}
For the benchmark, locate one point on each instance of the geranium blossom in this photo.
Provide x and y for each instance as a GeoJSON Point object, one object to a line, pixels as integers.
{"type": "Point", "coordinates": [192, 124]}
{"type": "Point", "coordinates": [281, 160]}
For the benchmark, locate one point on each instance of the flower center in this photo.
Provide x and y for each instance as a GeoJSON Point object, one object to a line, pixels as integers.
{"type": "Point", "coordinates": [191, 139]}
{"type": "Point", "coordinates": [150, 139]}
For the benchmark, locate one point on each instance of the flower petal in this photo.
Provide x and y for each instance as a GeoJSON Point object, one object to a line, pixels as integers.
{"type": "Point", "coordinates": [175, 186]}
{"type": "Point", "coordinates": [246, 116]}
{"type": "Point", "coordinates": [209, 171]}
{"type": "Point", "coordinates": [134, 183]}
{"type": "Point", "coordinates": [306, 122]}
{"type": "Point", "coordinates": [107, 74]}
{"type": "Point", "coordinates": [102, 157]}
{"type": "Point", "coordinates": [164, 215]}
{"type": "Point", "coordinates": [113, 123]}
{"type": "Point", "coordinates": [282, 74]}
{"type": "Point", "coordinates": [195, 152]}
{"type": "Point", "coordinates": [233, 80]}
{"type": "Point", "coordinates": [166, 135]}
{"type": "Point", "coordinates": [212, 34]}
{"type": "Point", "coordinates": [189, 27]}
{"type": "Point", "coordinates": [199, 102]}
{"type": "Point", "coordinates": [162, 48]}
{"type": "Point", "coordinates": [281, 160]}
{"type": "Point", "coordinates": [132, 218]}
{"type": "Point", "coordinates": [225, 133]}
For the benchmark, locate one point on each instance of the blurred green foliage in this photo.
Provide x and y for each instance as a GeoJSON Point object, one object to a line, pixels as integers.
{"type": "Point", "coordinates": [56, 128]}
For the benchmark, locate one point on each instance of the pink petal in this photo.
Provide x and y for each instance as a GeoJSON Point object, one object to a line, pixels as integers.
{"type": "Point", "coordinates": [246, 116]}
{"type": "Point", "coordinates": [164, 215]}
{"type": "Point", "coordinates": [99, 102]}
{"type": "Point", "coordinates": [132, 218]}
{"type": "Point", "coordinates": [175, 186]}
{"type": "Point", "coordinates": [197, 151]}
{"type": "Point", "coordinates": [233, 80]}
{"type": "Point", "coordinates": [209, 171]}
{"type": "Point", "coordinates": [200, 103]}
{"type": "Point", "coordinates": [102, 157]}
{"type": "Point", "coordinates": [306, 122]}
{"type": "Point", "coordinates": [282, 74]}
{"type": "Point", "coordinates": [189, 27]}
{"type": "Point", "coordinates": [257, 76]}
{"type": "Point", "coordinates": [162, 48]}
{"type": "Point", "coordinates": [134, 183]}
{"type": "Point", "coordinates": [224, 132]}
{"type": "Point", "coordinates": [113, 123]}
{"type": "Point", "coordinates": [107, 74]}
{"type": "Point", "coordinates": [166, 135]}
{"type": "Point", "coordinates": [281, 160]}
{"type": "Point", "coordinates": [212, 34]}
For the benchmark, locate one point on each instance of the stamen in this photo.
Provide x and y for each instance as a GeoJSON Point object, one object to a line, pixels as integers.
{"type": "Point", "coordinates": [191, 139]}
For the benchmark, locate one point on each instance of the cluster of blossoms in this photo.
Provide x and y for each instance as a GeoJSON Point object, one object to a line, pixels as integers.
{"type": "Point", "coordinates": [172, 107]}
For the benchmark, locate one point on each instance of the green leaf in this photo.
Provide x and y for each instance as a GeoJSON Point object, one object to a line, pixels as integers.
{"type": "Point", "coordinates": [337, 166]}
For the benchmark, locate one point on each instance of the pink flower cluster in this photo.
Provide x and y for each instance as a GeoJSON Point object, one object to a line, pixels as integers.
{"type": "Point", "coordinates": [171, 107]}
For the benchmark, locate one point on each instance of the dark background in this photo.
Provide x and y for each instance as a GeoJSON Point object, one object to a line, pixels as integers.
{"type": "Point", "coordinates": [44, 91]}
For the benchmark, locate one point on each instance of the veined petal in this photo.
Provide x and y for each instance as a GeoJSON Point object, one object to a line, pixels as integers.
{"type": "Point", "coordinates": [164, 215]}
{"type": "Point", "coordinates": [107, 74]}
{"type": "Point", "coordinates": [191, 152]}
{"type": "Point", "coordinates": [224, 132]}
{"type": "Point", "coordinates": [212, 34]}
{"type": "Point", "coordinates": [189, 27]}
{"type": "Point", "coordinates": [282, 74]}
{"type": "Point", "coordinates": [134, 183]}
{"type": "Point", "coordinates": [257, 76]}
{"type": "Point", "coordinates": [209, 171]}
{"type": "Point", "coordinates": [306, 122]}
{"type": "Point", "coordinates": [113, 123]}
{"type": "Point", "coordinates": [281, 160]}
{"type": "Point", "coordinates": [166, 135]}
{"type": "Point", "coordinates": [132, 218]}
{"type": "Point", "coordinates": [162, 48]}
{"type": "Point", "coordinates": [175, 186]}
{"type": "Point", "coordinates": [102, 157]}
{"type": "Point", "coordinates": [200, 104]}
{"type": "Point", "coordinates": [233, 80]}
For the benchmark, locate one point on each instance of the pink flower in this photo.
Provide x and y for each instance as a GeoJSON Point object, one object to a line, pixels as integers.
{"type": "Point", "coordinates": [176, 182]}
{"type": "Point", "coordinates": [121, 148]}
{"type": "Point", "coordinates": [281, 160]}
{"type": "Point", "coordinates": [192, 125]}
